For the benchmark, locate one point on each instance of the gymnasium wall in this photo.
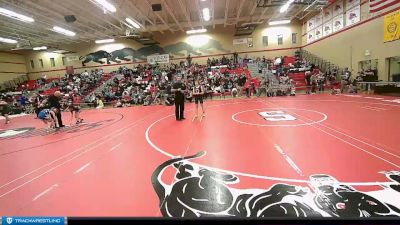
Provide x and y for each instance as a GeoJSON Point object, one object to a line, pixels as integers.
{"type": "Point", "coordinates": [12, 65]}
{"type": "Point", "coordinates": [214, 43]}
{"type": "Point", "coordinates": [348, 47]}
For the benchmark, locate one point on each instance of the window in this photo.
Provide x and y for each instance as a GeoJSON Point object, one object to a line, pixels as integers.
{"type": "Point", "coordinates": [52, 62]}
{"type": "Point", "coordinates": [32, 64]}
{"type": "Point", "coordinates": [41, 62]}
{"type": "Point", "coordinates": [294, 38]}
{"type": "Point", "coordinates": [280, 39]}
{"type": "Point", "coordinates": [64, 61]}
{"type": "Point", "coordinates": [265, 40]}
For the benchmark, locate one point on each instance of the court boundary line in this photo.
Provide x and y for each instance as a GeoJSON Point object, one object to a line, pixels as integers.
{"type": "Point", "coordinates": [88, 146]}
{"type": "Point", "coordinates": [117, 132]}
{"type": "Point", "coordinates": [376, 183]}
{"type": "Point", "coordinates": [354, 145]}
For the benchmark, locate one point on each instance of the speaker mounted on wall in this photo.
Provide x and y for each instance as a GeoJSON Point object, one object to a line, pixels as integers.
{"type": "Point", "coordinates": [156, 7]}
{"type": "Point", "coordinates": [70, 18]}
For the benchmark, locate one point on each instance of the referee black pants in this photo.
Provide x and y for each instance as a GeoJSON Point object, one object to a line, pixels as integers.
{"type": "Point", "coordinates": [58, 114]}
{"type": "Point", "coordinates": [179, 107]}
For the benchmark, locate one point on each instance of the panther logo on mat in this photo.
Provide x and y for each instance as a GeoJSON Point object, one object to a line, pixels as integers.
{"type": "Point", "coordinates": [202, 192]}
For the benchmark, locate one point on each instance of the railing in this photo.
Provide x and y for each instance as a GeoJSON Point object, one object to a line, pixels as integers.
{"type": "Point", "coordinates": [322, 64]}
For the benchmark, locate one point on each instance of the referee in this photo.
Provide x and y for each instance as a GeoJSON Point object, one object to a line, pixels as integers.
{"type": "Point", "coordinates": [54, 102]}
{"type": "Point", "coordinates": [178, 88]}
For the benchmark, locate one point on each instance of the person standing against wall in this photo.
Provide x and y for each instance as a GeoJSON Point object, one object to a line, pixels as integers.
{"type": "Point", "coordinates": [178, 88]}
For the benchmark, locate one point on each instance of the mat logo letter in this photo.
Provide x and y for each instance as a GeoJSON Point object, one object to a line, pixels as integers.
{"type": "Point", "coordinates": [276, 116]}
{"type": "Point", "coordinates": [9, 220]}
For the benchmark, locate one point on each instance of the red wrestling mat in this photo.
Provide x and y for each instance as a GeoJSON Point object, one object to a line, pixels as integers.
{"type": "Point", "coordinates": [314, 156]}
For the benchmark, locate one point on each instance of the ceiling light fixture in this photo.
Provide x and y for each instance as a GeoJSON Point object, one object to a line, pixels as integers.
{"type": "Point", "coordinates": [63, 31]}
{"type": "Point", "coordinates": [133, 23]}
{"type": "Point", "coordinates": [279, 22]}
{"type": "Point", "coordinates": [8, 41]}
{"type": "Point", "coordinates": [196, 31]}
{"type": "Point", "coordinates": [105, 5]}
{"type": "Point", "coordinates": [206, 14]}
{"type": "Point", "coordinates": [285, 7]}
{"type": "Point", "coordinates": [14, 15]}
{"type": "Point", "coordinates": [104, 41]}
{"type": "Point", "coordinates": [40, 48]}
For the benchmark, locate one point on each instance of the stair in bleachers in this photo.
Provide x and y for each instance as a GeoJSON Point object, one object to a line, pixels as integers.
{"type": "Point", "coordinates": [289, 59]}
{"type": "Point", "coordinates": [253, 68]}
{"type": "Point", "coordinates": [299, 79]}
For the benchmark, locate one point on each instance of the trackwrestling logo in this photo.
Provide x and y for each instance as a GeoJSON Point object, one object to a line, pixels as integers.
{"type": "Point", "coordinates": [33, 220]}
{"type": "Point", "coordinates": [202, 192]}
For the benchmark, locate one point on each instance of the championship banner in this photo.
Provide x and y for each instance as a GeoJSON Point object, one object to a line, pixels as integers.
{"type": "Point", "coordinates": [338, 23]}
{"type": "Point", "coordinates": [239, 41]}
{"type": "Point", "coordinates": [351, 4]}
{"type": "Point", "coordinates": [318, 33]}
{"type": "Point", "coordinates": [338, 8]}
{"type": "Point", "coordinates": [391, 24]}
{"type": "Point", "coordinates": [310, 24]}
{"type": "Point", "coordinates": [310, 36]}
{"type": "Point", "coordinates": [153, 59]}
{"type": "Point", "coordinates": [353, 16]}
{"type": "Point", "coordinates": [327, 14]}
{"type": "Point", "coordinates": [327, 28]}
{"type": "Point", "coordinates": [318, 20]}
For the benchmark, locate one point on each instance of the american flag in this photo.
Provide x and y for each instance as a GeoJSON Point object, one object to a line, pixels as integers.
{"type": "Point", "coordinates": [380, 5]}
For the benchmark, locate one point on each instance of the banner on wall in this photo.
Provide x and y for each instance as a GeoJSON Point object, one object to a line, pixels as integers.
{"type": "Point", "coordinates": [318, 33]}
{"type": "Point", "coordinates": [153, 59]}
{"type": "Point", "coordinates": [353, 16]}
{"type": "Point", "coordinates": [327, 14]}
{"type": "Point", "coordinates": [71, 58]}
{"type": "Point", "coordinates": [352, 3]}
{"type": "Point", "coordinates": [310, 36]}
{"type": "Point", "coordinates": [239, 41]}
{"type": "Point", "coordinates": [310, 24]}
{"type": "Point", "coordinates": [250, 42]}
{"type": "Point", "coordinates": [327, 28]}
{"type": "Point", "coordinates": [337, 23]}
{"type": "Point", "coordinates": [338, 8]}
{"type": "Point", "coordinates": [391, 24]}
{"type": "Point", "coordinates": [318, 19]}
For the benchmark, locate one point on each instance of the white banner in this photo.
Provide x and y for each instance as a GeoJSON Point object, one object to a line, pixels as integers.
{"type": "Point", "coordinates": [239, 41]}
{"type": "Point", "coordinates": [338, 8]}
{"type": "Point", "coordinates": [153, 59]}
{"type": "Point", "coordinates": [327, 28]}
{"type": "Point", "coordinates": [327, 14]}
{"type": "Point", "coordinates": [318, 20]}
{"type": "Point", "coordinates": [338, 23]}
{"type": "Point", "coordinates": [318, 33]}
{"type": "Point", "coordinates": [310, 36]}
{"type": "Point", "coordinates": [72, 58]}
{"type": "Point", "coordinates": [352, 3]}
{"type": "Point", "coordinates": [310, 24]}
{"type": "Point", "coordinates": [353, 16]}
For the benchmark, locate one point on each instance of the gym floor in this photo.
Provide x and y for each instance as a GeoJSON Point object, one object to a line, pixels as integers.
{"type": "Point", "coordinates": [303, 156]}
